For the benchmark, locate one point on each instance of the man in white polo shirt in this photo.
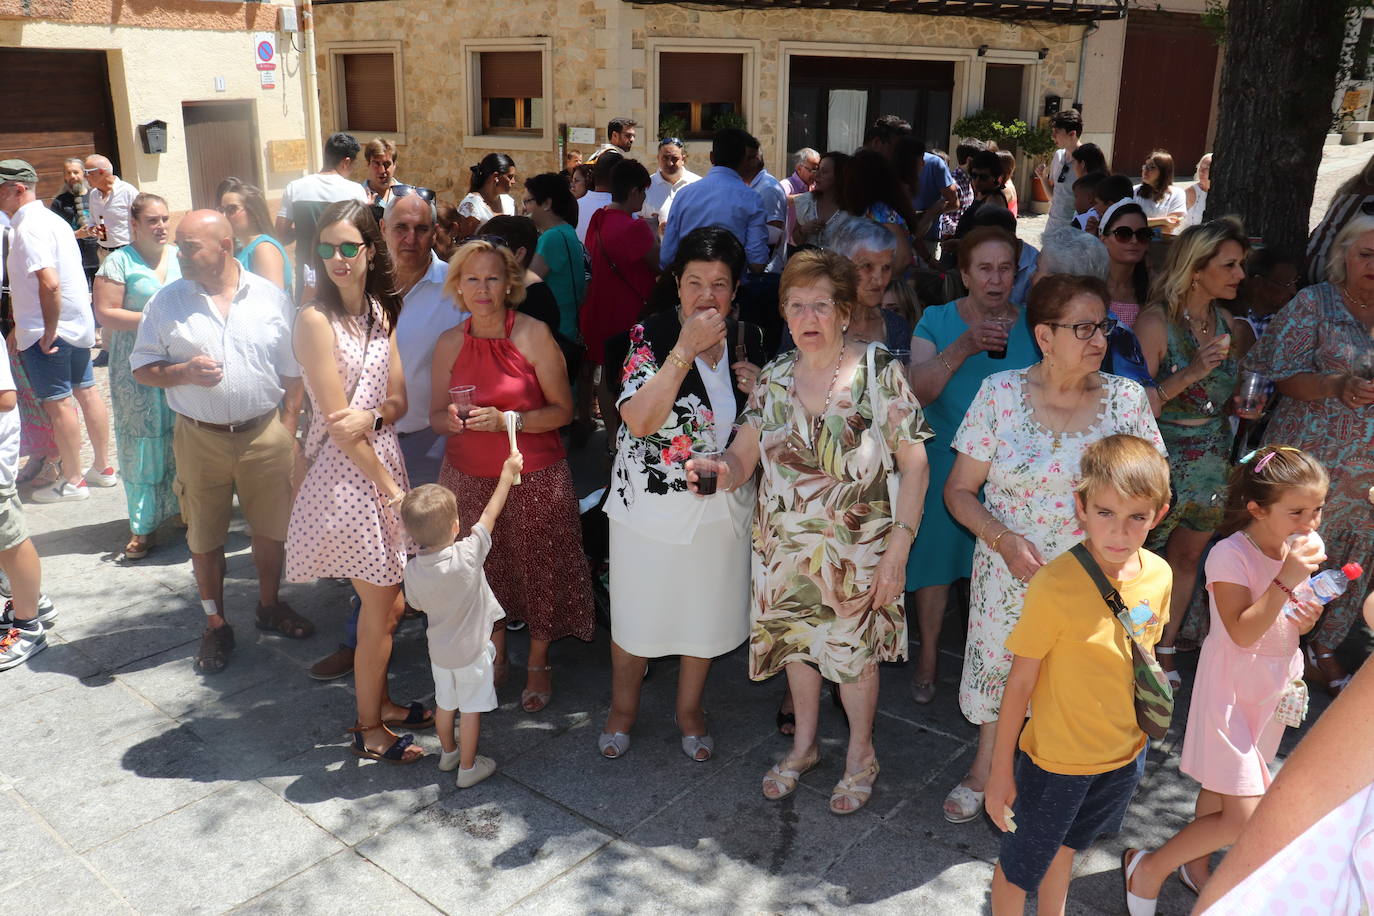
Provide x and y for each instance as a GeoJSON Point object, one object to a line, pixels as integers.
{"type": "Point", "coordinates": [408, 226]}
{"type": "Point", "coordinates": [671, 177]}
{"type": "Point", "coordinates": [219, 341]}
{"type": "Point", "coordinates": [110, 199]}
{"type": "Point", "coordinates": [305, 199]}
{"type": "Point", "coordinates": [54, 330]}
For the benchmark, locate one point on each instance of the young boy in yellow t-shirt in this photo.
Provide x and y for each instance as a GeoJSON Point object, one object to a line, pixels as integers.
{"type": "Point", "coordinates": [1082, 752]}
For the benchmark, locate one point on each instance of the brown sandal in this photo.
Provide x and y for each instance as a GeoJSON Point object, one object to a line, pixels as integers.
{"type": "Point", "coordinates": [282, 619]}
{"type": "Point", "coordinates": [138, 546]}
{"type": "Point", "coordinates": [215, 645]}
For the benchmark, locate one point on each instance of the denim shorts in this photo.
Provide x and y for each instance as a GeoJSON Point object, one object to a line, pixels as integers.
{"type": "Point", "coordinates": [1053, 810]}
{"type": "Point", "coordinates": [52, 376]}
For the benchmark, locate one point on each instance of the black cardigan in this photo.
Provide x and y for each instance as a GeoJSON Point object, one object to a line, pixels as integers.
{"type": "Point", "coordinates": [661, 333]}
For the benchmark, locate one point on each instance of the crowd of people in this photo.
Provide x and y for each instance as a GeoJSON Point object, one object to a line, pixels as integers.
{"type": "Point", "coordinates": [836, 405]}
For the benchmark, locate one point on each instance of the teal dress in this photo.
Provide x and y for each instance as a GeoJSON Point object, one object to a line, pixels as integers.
{"type": "Point", "coordinates": [245, 257]}
{"type": "Point", "coordinates": [943, 551]}
{"type": "Point", "coordinates": [142, 420]}
{"type": "Point", "coordinates": [567, 277]}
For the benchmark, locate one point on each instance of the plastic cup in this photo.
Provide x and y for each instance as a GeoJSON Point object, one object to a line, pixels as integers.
{"type": "Point", "coordinates": [1006, 323]}
{"type": "Point", "coordinates": [461, 397]}
{"type": "Point", "coordinates": [707, 478]}
{"type": "Point", "coordinates": [1252, 393]}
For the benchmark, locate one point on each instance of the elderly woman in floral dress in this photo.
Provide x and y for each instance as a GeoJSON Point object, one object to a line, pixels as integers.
{"type": "Point", "coordinates": [828, 421]}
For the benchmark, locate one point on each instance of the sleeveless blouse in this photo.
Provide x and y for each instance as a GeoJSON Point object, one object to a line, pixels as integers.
{"type": "Point", "coordinates": [1205, 399]}
{"type": "Point", "coordinates": [507, 381]}
{"type": "Point", "coordinates": [245, 257]}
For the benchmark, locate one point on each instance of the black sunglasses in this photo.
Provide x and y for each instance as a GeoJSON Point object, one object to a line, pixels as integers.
{"type": "Point", "coordinates": [1367, 208]}
{"type": "Point", "coordinates": [666, 141]}
{"type": "Point", "coordinates": [347, 249]}
{"type": "Point", "coordinates": [1124, 234]}
{"type": "Point", "coordinates": [401, 190]}
{"type": "Point", "coordinates": [489, 239]}
{"type": "Point", "coordinates": [1064, 172]}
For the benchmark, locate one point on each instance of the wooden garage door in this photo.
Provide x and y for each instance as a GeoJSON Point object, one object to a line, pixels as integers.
{"type": "Point", "coordinates": [71, 116]}
{"type": "Point", "coordinates": [220, 143]}
{"type": "Point", "coordinates": [1165, 101]}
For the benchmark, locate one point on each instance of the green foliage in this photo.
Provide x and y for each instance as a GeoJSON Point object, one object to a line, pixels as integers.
{"type": "Point", "coordinates": [728, 119]}
{"type": "Point", "coordinates": [1214, 18]}
{"type": "Point", "coordinates": [671, 126]}
{"type": "Point", "coordinates": [1011, 134]}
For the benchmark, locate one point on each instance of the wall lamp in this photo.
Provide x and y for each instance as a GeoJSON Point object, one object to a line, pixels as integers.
{"type": "Point", "coordinates": [982, 50]}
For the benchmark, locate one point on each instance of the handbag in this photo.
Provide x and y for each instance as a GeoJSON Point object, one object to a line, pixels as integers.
{"type": "Point", "coordinates": [1154, 698]}
{"type": "Point", "coordinates": [1292, 707]}
{"type": "Point", "coordinates": [894, 477]}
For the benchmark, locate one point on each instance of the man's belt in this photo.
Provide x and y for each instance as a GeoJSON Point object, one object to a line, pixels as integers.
{"type": "Point", "coordinates": [231, 427]}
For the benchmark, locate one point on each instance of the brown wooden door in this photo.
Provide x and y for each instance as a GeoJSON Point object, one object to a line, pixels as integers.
{"type": "Point", "coordinates": [1165, 101]}
{"type": "Point", "coordinates": [221, 142]}
{"type": "Point", "coordinates": [70, 117]}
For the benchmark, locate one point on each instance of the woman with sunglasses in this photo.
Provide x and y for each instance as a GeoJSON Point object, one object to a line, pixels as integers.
{"type": "Point", "coordinates": [245, 207]}
{"type": "Point", "coordinates": [143, 422]}
{"type": "Point", "coordinates": [536, 566]}
{"type": "Point", "coordinates": [1157, 194]}
{"type": "Point", "coordinates": [488, 193]}
{"type": "Point", "coordinates": [1126, 233]}
{"type": "Point", "coordinates": [345, 520]}
{"type": "Point", "coordinates": [1186, 338]}
{"type": "Point", "coordinates": [1017, 459]}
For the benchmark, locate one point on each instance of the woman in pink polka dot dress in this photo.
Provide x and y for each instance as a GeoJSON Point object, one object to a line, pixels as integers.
{"type": "Point", "coordinates": [345, 521]}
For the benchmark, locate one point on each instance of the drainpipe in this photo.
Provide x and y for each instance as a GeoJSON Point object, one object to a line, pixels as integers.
{"type": "Point", "coordinates": [1082, 59]}
{"type": "Point", "coordinates": [311, 88]}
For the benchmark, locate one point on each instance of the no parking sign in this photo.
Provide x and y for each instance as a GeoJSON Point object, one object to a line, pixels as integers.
{"type": "Point", "coordinates": [265, 58]}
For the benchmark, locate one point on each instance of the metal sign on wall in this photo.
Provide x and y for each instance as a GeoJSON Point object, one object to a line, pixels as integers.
{"type": "Point", "coordinates": [265, 58]}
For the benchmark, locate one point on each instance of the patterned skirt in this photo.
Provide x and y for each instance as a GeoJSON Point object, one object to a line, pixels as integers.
{"type": "Point", "coordinates": [536, 567]}
{"type": "Point", "coordinates": [1199, 463]}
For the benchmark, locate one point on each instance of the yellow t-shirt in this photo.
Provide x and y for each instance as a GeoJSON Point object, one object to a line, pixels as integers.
{"type": "Point", "coordinates": [1083, 705]}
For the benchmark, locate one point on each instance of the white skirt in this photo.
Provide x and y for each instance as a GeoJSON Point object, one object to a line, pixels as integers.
{"type": "Point", "coordinates": [680, 599]}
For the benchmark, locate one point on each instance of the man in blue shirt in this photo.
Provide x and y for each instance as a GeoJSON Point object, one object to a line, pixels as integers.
{"type": "Point", "coordinates": [722, 199]}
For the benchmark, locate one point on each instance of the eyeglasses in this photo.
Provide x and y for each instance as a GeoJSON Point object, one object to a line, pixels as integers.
{"type": "Point", "coordinates": [670, 141]}
{"type": "Point", "coordinates": [1149, 167]}
{"type": "Point", "coordinates": [96, 169]}
{"type": "Point", "coordinates": [1124, 234]}
{"type": "Point", "coordinates": [823, 308]}
{"type": "Point", "coordinates": [1367, 208]}
{"type": "Point", "coordinates": [1085, 330]}
{"type": "Point", "coordinates": [401, 190]}
{"type": "Point", "coordinates": [230, 209]}
{"type": "Point", "coordinates": [347, 249]}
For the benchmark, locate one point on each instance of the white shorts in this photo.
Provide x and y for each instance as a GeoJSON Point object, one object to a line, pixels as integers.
{"type": "Point", "coordinates": [468, 689]}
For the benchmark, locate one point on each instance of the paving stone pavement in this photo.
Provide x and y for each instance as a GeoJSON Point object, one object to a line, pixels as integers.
{"type": "Point", "coordinates": [133, 784]}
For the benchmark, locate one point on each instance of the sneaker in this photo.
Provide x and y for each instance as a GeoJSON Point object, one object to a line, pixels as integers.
{"type": "Point", "coordinates": [337, 664]}
{"type": "Point", "coordinates": [98, 478]}
{"type": "Point", "coordinates": [61, 492]}
{"type": "Point", "coordinates": [481, 768]}
{"type": "Point", "coordinates": [47, 614]}
{"type": "Point", "coordinates": [18, 646]}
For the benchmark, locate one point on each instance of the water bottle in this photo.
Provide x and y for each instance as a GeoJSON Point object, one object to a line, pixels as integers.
{"type": "Point", "coordinates": [1325, 587]}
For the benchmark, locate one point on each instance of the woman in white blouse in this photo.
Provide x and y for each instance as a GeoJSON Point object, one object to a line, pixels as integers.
{"type": "Point", "coordinates": [679, 562]}
{"type": "Point", "coordinates": [1156, 193]}
{"type": "Point", "coordinates": [488, 193]}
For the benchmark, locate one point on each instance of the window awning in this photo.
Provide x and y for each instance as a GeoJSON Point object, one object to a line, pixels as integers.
{"type": "Point", "coordinates": [1058, 11]}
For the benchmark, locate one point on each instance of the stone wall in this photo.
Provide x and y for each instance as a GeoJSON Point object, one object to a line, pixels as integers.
{"type": "Point", "coordinates": [600, 59]}
{"type": "Point", "coordinates": [150, 14]}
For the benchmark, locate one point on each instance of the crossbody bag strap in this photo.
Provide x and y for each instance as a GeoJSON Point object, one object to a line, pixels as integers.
{"type": "Point", "coordinates": [1109, 594]}
{"type": "Point", "coordinates": [600, 243]}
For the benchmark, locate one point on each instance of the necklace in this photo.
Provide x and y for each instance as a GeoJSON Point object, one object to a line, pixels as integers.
{"type": "Point", "coordinates": [713, 363]}
{"type": "Point", "coordinates": [1055, 440]}
{"type": "Point", "coordinates": [830, 391]}
{"type": "Point", "coordinates": [1345, 291]}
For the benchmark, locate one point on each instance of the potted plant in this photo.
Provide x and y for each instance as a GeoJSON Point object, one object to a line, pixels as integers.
{"type": "Point", "coordinates": [1014, 135]}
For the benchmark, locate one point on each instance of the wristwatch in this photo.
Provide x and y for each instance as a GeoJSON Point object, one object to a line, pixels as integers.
{"type": "Point", "coordinates": [377, 420]}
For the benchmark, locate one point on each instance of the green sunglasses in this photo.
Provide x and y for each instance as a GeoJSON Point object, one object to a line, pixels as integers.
{"type": "Point", "coordinates": [347, 249]}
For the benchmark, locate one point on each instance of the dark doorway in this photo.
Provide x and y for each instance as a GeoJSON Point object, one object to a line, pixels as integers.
{"type": "Point", "coordinates": [70, 117]}
{"type": "Point", "coordinates": [221, 141]}
{"type": "Point", "coordinates": [832, 99]}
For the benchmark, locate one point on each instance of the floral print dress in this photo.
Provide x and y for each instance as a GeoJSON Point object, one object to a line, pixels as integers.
{"type": "Point", "coordinates": [1030, 490]}
{"type": "Point", "coordinates": [823, 521]}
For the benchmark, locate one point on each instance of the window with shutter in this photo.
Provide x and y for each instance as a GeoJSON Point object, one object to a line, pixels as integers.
{"type": "Point", "coordinates": [696, 89]}
{"type": "Point", "coordinates": [511, 86]}
{"type": "Point", "coordinates": [369, 91]}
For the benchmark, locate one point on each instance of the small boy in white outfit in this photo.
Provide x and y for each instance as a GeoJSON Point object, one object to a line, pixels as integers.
{"type": "Point", "coordinates": [446, 582]}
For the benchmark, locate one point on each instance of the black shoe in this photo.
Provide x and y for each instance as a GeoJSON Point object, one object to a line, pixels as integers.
{"type": "Point", "coordinates": [101, 360]}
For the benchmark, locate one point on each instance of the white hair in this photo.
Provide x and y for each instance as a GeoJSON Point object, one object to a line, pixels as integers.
{"type": "Point", "coordinates": [1068, 251]}
{"type": "Point", "coordinates": [1341, 245]}
{"type": "Point", "coordinates": [859, 234]}
{"type": "Point", "coordinates": [802, 155]}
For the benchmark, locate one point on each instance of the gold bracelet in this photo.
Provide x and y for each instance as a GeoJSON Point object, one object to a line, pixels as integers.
{"type": "Point", "coordinates": [678, 361]}
{"type": "Point", "coordinates": [984, 530]}
{"type": "Point", "coordinates": [944, 362]}
{"type": "Point", "coordinates": [898, 523]}
{"type": "Point", "coordinates": [992, 545]}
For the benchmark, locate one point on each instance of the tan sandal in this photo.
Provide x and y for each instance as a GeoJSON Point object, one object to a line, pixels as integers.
{"type": "Point", "coordinates": [786, 773]}
{"type": "Point", "coordinates": [534, 700]}
{"type": "Point", "coordinates": [857, 787]}
{"type": "Point", "coordinates": [138, 546]}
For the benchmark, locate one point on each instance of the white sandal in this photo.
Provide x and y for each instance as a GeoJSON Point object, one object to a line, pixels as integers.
{"type": "Point", "coordinates": [969, 801]}
{"type": "Point", "coordinates": [613, 746]}
{"type": "Point", "coordinates": [1135, 905]}
{"type": "Point", "coordinates": [1173, 677]}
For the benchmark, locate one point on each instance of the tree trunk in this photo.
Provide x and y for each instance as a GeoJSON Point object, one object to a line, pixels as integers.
{"type": "Point", "coordinates": [1283, 58]}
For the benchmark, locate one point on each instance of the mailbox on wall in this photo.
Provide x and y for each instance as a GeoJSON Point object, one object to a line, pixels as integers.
{"type": "Point", "coordinates": [154, 136]}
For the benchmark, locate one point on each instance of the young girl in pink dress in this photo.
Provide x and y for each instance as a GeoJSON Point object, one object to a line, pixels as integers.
{"type": "Point", "coordinates": [1248, 661]}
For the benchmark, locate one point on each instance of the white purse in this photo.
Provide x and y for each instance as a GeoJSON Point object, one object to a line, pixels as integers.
{"type": "Point", "coordinates": [894, 477]}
